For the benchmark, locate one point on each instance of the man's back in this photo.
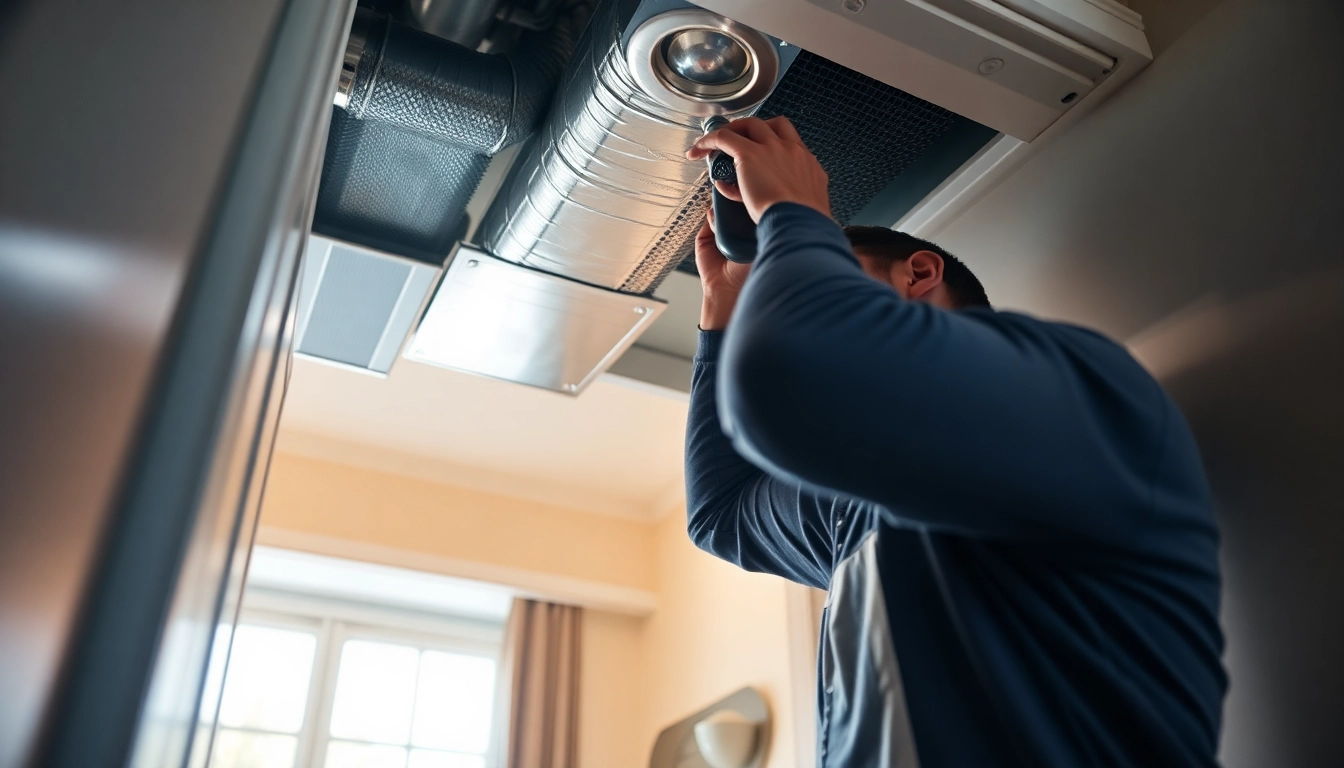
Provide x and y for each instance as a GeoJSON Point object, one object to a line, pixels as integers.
{"type": "Point", "coordinates": [1010, 516]}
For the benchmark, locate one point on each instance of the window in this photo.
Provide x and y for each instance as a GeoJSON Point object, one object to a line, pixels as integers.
{"type": "Point", "coordinates": [265, 697]}
{"type": "Point", "coordinates": [402, 705]}
{"type": "Point", "coordinates": [321, 683]}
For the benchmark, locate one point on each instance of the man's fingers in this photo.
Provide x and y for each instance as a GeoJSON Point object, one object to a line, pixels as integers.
{"type": "Point", "coordinates": [730, 191]}
{"type": "Point", "coordinates": [728, 142]}
{"type": "Point", "coordinates": [706, 248]}
{"type": "Point", "coordinates": [705, 234]}
{"type": "Point", "coordinates": [753, 128]}
{"type": "Point", "coordinates": [784, 129]}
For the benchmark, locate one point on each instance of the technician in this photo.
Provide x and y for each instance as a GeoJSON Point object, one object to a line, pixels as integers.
{"type": "Point", "coordinates": [1010, 515]}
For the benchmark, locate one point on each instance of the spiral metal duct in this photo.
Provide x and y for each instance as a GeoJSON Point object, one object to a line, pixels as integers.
{"type": "Point", "coordinates": [605, 194]}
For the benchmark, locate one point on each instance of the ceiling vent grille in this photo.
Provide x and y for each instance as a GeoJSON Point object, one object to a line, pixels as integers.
{"type": "Point", "coordinates": [356, 305]}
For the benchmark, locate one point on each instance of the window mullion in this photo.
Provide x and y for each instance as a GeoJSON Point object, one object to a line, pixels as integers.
{"type": "Point", "coordinates": [415, 702]}
{"type": "Point", "coordinates": [322, 694]}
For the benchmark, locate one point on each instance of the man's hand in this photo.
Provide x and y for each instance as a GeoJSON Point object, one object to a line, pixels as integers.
{"type": "Point", "coordinates": [721, 279]}
{"type": "Point", "coordinates": [773, 165]}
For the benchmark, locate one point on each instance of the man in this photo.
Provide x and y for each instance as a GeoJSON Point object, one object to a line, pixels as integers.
{"type": "Point", "coordinates": [1010, 514]}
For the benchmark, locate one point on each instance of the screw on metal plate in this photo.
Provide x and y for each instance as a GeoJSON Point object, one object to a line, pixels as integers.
{"type": "Point", "coordinates": [640, 310]}
{"type": "Point", "coordinates": [853, 6]}
{"type": "Point", "coordinates": [990, 66]}
{"type": "Point", "coordinates": [472, 263]}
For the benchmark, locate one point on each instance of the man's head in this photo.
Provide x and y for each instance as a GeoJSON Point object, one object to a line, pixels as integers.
{"type": "Point", "coordinates": [917, 269]}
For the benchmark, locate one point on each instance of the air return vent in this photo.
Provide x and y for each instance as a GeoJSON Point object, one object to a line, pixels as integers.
{"type": "Point", "coordinates": [356, 305]}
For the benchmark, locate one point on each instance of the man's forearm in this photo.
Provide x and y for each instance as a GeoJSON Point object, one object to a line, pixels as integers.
{"type": "Point", "coordinates": [715, 474]}
{"type": "Point", "coordinates": [737, 512]}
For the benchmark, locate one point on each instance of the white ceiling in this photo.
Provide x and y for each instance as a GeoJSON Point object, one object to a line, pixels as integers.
{"type": "Point", "coordinates": [614, 449]}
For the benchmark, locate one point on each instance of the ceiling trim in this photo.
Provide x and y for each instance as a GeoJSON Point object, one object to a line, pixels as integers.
{"type": "Point", "coordinates": [420, 467]}
{"type": "Point", "coordinates": [537, 585]}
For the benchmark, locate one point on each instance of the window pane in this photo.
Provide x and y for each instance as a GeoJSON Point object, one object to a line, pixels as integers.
{"type": "Point", "coordinates": [424, 758]}
{"type": "Point", "coordinates": [343, 754]}
{"type": "Point", "coordinates": [266, 685]}
{"type": "Point", "coordinates": [453, 702]}
{"type": "Point", "coordinates": [375, 690]}
{"type": "Point", "coordinates": [241, 749]}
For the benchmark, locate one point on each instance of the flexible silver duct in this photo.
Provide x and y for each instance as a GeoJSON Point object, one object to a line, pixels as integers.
{"type": "Point", "coordinates": [605, 194]}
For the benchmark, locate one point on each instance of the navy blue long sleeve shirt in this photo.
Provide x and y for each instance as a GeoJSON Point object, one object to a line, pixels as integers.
{"type": "Point", "coordinates": [1010, 516]}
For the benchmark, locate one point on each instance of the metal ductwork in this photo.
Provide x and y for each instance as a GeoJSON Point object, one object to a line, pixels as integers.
{"type": "Point", "coordinates": [416, 122]}
{"type": "Point", "coordinates": [599, 209]}
{"type": "Point", "coordinates": [604, 203]}
{"type": "Point", "coordinates": [600, 204]}
{"type": "Point", "coordinates": [605, 195]}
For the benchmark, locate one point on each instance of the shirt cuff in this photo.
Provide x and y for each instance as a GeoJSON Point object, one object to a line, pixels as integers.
{"type": "Point", "coordinates": [708, 351]}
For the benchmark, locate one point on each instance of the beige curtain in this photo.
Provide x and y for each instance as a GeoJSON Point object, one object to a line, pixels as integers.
{"type": "Point", "coordinates": [539, 687]}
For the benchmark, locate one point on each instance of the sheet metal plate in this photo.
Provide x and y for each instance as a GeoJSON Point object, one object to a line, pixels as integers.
{"type": "Point", "coordinates": [495, 318]}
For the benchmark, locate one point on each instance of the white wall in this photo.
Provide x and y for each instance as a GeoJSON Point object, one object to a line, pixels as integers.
{"type": "Point", "coordinates": [1198, 215]}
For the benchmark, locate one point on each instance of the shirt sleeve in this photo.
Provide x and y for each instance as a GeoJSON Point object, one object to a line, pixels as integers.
{"type": "Point", "coordinates": [739, 513]}
{"type": "Point", "coordinates": [973, 420]}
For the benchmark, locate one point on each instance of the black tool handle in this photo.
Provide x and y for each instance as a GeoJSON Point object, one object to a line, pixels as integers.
{"type": "Point", "coordinates": [734, 231]}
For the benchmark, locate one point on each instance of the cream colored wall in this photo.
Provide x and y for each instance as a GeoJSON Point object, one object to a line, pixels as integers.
{"type": "Point", "coordinates": [316, 497]}
{"type": "Point", "coordinates": [611, 692]}
{"type": "Point", "coordinates": [717, 629]}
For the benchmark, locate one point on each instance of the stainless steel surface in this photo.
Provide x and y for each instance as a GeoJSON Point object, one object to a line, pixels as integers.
{"type": "Point", "coordinates": [100, 222]}
{"type": "Point", "coordinates": [264, 216]}
{"type": "Point", "coordinates": [606, 195]}
{"type": "Point", "coordinates": [497, 319]}
{"type": "Point", "coordinates": [707, 57]}
{"type": "Point", "coordinates": [354, 50]}
{"type": "Point", "coordinates": [648, 60]}
{"type": "Point", "coordinates": [465, 22]}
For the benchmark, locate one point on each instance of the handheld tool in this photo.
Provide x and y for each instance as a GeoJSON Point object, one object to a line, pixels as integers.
{"type": "Point", "coordinates": [734, 231]}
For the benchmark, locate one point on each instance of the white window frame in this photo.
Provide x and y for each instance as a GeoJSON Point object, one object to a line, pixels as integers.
{"type": "Point", "coordinates": [336, 621]}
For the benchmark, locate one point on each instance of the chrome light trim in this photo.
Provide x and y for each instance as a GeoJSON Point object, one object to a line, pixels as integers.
{"type": "Point", "coordinates": [644, 56]}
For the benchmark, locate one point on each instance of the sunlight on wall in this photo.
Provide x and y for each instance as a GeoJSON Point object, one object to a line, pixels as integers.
{"type": "Point", "coordinates": [717, 628]}
{"type": "Point", "coordinates": [714, 630]}
{"type": "Point", "coordinates": [316, 497]}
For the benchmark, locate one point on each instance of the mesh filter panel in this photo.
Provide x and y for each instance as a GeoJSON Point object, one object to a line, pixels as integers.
{"type": "Point", "coordinates": [864, 132]}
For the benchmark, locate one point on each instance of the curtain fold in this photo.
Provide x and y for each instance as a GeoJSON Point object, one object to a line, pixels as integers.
{"type": "Point", "coordinates": [539, 687]}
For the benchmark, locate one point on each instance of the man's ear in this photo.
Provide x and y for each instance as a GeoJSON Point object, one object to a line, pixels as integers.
{"type": "Point", "coordinates": [924, 271]}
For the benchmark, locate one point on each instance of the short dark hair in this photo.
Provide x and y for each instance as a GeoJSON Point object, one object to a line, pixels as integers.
{"type": "Point", "coordinates": [962, 285]}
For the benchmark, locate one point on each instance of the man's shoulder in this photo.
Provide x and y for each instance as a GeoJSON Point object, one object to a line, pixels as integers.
{"type": "Point", "coordinates": [1069, 335]}
{"type": "Point", "coordinates": [1096, 361]}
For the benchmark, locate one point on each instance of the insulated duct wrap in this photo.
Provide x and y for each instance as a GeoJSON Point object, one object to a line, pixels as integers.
{"type": "Point", "coordinates": [394, 190]}
{"type": "Point", "coordinates": [605, 195]}
{"type": "Point", "coordinates": [423, 116]}
{"type": "Point", "coordinates": [473, 100]}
